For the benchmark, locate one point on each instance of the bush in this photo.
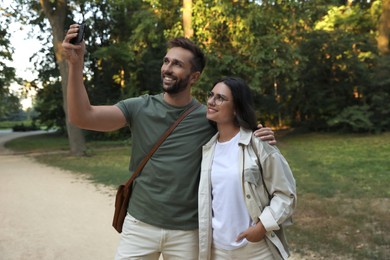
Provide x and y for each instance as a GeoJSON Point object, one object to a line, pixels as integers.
{"type": "Point", "coordinates": [353, 119]}
{"type": "Point", "coordinates": [23, 128]}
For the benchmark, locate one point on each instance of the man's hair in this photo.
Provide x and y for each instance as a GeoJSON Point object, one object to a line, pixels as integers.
{"type": "Point", "coordinates": [242, 101]}
{"type": "Point", "coordinates": [199, 60]}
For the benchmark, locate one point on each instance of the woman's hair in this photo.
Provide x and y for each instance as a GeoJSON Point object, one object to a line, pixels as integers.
{"type": "Point", "coordinates": [242, 100]}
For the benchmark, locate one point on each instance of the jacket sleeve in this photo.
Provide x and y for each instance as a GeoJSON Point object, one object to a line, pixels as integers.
{"type": "Point", "coordinates": [280, 183]}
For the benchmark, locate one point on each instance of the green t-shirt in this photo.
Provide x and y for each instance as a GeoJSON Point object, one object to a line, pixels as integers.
{"type": "Point", "coordinates": [165, 194]}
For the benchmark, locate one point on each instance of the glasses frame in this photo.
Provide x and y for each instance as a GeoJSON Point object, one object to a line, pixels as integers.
{"type": "Point", "coordinates": [217, 99]}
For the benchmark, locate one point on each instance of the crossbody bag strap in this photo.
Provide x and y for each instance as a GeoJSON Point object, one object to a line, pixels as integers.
{"type": "Point", "coordinates": [159, 142]}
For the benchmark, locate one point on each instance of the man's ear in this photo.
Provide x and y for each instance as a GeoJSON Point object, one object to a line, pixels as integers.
{"type": "Point", "coordinates": [194, 77]}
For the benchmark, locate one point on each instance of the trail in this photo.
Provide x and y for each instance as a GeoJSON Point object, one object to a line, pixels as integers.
{"type": "Point", "coordinates": [48, 213]}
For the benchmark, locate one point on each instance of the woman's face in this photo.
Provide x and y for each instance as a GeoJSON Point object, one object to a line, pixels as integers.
{"type": "Point", "coordinates": [220, 107]}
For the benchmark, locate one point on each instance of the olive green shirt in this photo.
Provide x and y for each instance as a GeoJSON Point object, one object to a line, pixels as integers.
{"type": "Point", "coordinates": [165, 194]}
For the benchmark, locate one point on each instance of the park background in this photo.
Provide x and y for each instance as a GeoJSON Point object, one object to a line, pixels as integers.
{"type": "Point", "coordinates": [319, 71]}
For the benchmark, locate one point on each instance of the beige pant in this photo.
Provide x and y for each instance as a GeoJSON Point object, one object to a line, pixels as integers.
{"type": "Point", "coordinates": [143, 241]}
{"type": "Point", "coordinates": [251, 251]}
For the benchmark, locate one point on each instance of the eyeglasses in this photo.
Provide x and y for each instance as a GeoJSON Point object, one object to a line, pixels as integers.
{"type": "Point", "coordinates": [216, 98]}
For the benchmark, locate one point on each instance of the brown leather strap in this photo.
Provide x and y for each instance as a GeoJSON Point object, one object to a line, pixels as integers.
{"type": "Point", "coordinates": [159, 142]}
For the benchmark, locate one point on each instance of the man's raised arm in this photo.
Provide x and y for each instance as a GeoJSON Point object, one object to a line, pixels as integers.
{"type": "Point", "coordinates": [80, 111]}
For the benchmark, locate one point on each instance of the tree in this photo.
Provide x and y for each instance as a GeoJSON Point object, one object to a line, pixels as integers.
{"type": "Point", "coordinates": [56, 12]}
{"type": "Point", "coordinates": [9, 102]}
{"type": "Point", "coordinates": [306, 61]}
{"type": "Point", "coordinates": [187, 17]}
{"type": "Point", "coordinates": [384, 29]}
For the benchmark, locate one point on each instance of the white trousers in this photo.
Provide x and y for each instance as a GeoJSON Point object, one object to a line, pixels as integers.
{"type": "Point", "coordinates": [251, 251]}
{"type": "Point", "coordinates": [143, 241]}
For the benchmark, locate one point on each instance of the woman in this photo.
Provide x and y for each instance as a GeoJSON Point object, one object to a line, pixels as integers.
{"type": "Point", "coordinates": [247, 191]}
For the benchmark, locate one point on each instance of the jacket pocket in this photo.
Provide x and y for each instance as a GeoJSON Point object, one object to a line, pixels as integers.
{"type": "Point", "coordinates": [252, 175]}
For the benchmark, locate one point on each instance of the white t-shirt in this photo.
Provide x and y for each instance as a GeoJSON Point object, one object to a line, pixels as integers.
{"type": "Point", "coordinates": [230, 215]}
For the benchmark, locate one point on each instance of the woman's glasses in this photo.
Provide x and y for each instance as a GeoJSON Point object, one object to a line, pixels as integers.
{"type": "Point", "coordinates": [216, 98]}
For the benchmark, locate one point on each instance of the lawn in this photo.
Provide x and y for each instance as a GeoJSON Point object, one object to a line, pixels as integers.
{"type": "Point", "coordinates": [343, 194]}
{"type": "Point", "coordinates": [342, 182]}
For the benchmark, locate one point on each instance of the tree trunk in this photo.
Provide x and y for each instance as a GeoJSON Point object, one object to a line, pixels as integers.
{"type": "Point", "coordinates": [384, 28]}
{"type": "Point", "coordinates": [56, 14]}
{"type": "Point", "coordinates": [187, 18]}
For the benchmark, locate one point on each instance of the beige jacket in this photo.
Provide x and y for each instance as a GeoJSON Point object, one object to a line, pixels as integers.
{"type": "Point", "coordinates": [257, 159]}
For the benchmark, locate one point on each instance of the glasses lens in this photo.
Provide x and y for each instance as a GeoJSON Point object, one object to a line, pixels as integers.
{"type": "Point", "coordinates": [217, 99]}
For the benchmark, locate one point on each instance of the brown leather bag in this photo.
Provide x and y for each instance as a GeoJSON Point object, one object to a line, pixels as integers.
{"type": "Point", "coordinates": [124, 191]}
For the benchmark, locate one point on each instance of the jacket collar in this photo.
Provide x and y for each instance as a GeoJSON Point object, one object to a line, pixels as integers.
{"type": "Point", "coordinates": [245, 138]}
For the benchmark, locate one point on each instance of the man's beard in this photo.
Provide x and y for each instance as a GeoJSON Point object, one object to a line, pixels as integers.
{"type": "Point", "coordinates": [179, 86]}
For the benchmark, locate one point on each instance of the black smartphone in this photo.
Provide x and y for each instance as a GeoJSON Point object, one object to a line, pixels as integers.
{"type": "Point", "coordinates": [80, 35]}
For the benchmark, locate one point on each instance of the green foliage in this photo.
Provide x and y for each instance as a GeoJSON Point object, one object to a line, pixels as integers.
{"type": "Point", "coordinates": [48, 102]}
{"type": "Point", "coordinates": [342, 55]}
{"type": "Point", "coordinates": [377, 95]}
{"type": "Point", "coordinates": [131, 57]}
{"type": "Point", "coordinates": [9, 102]}
{"type": "Point", "coordinates": [11, 124]}
{"type": "Point", "coordinates": [22, 127]}
{"type": "Point", "coordinates": [353, 119]}
{"type": "Point", "coordinates": [309, 63]}
{"type": "Point", "coordinates": [332, 72]}
{"type": "Point", "coordinates": [120, 135]}
{"type": "Point", "coordinates": [50, 112]}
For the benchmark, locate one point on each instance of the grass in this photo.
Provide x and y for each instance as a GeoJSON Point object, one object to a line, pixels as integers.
{"type": "Point", "coordinates": [10, 124]}
{"type": "Point", "coordinates": [342, 182]}
{"type": "Point", "coordinates": [343, 194]}
{"type": "Point", "coordinates": [108, 166]}
{"type": "Point", "coordinates": [39, 143]}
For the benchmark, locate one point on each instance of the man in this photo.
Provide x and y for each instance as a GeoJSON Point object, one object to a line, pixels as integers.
{"type": "Point", "coordinates": [162, 214]}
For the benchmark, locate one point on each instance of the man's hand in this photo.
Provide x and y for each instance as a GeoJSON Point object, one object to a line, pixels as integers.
{"type": "Point", "coordinates": [253, 233]}
{"type": "Point", "coordinates": [265, 134]}
{"type": "Point", "coordinates": [73, 53]}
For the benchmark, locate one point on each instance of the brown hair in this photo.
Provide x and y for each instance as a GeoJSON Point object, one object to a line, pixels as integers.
{"type": "Point", "coordinates": [199, 60]}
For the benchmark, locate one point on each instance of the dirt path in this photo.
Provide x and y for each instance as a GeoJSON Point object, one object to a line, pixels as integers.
{"type": "Point", "coordinates": [47, 213]}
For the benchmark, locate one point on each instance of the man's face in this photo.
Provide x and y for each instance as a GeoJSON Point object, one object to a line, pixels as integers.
{"type": "Point", "coordinates": [176, 70]}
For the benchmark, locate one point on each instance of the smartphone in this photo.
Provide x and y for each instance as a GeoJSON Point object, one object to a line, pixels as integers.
{"type": "Point", "coordinates": [80, 35]}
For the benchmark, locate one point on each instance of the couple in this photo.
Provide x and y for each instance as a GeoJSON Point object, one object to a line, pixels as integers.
{"type": "Point", "coordinates": [247, 191]}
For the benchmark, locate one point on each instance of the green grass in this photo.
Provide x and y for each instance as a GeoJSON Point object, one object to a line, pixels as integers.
{"type": "Point", "coordinates": [39, 143]}
{"type": "Point", "coordinates": [107, 166]}
{"type": "Point", "coordinates": [49, 142]}
{"type": "Point", "coordinates": [10, 124]}
{"type": "Point", "coordinates": [342, 182]}
{"type": "Point", "coordinates": [343, 194]}
{"type": "Point", "coordinates": [330, 165]}
{"type": "Point", "coordinates": [107, 161]}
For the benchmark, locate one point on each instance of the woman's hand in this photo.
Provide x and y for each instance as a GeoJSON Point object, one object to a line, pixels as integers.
{"type": "Point", "coordinates": [253, 233]}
